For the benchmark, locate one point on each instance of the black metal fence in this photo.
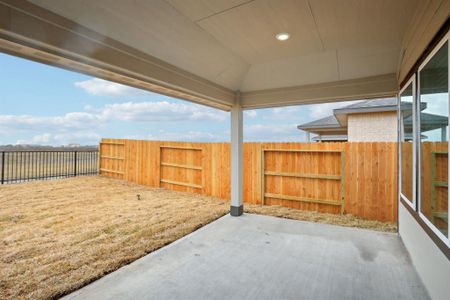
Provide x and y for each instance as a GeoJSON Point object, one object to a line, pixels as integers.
{"type": "Point", "coordinates": [21, 166]}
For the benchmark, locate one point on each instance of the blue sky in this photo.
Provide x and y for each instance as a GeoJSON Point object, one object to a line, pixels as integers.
{"type": "Point", "coordinates": [51, 106]}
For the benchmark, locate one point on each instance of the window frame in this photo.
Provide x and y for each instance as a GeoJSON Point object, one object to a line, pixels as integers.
{"type": "Point", "coordinates": [411, 202]}
{"type": "Point", "coordinates": [445, 239]}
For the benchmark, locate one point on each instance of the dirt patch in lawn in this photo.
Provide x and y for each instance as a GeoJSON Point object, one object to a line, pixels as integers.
{"type": "Point", "coordinates": [56, 236]}
{"type": "Point", "coordinates": [311, 216]}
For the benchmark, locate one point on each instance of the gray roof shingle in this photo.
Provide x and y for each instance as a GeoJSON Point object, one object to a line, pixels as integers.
{"type": "Point", "coordinates": [328, 122]}
{"type": "Point", "coordinates": [371, 103]}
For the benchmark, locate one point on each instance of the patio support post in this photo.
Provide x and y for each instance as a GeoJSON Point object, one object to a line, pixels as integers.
{"type": "Point", "coordinates": [237, 207]}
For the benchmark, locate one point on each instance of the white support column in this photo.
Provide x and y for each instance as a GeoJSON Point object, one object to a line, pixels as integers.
{"type": "Point", "coordinates": [443, 134]}
{"type": "Point", "coordinates": [237, 207]}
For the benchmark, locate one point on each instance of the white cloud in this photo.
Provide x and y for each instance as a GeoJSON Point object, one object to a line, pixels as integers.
{"type": "Point", "coordinates": [74, 120]}
{"type": "Point", "coordinates": [86, 138]}
{"type": "Point", "coordinates": [42, 139]}
{"type": "Point", "coordinates": [284, 113]}
{"type": "Point", "coordinates": [84, 127]}
{"type": "Point", "coordinates": [436, 103]}
{"type": "Point", "coordinates": [189, 136]}
{"type": "Point", "coordinates": [100, 87]}
{"type": "Point", "coordinates": [162, 111]}
{"type": "Point", "coordinates": [326, 109]}
{"type": "Point", "coordinates": [251, 113]}
{"type": "Point", "coordinates": [270, 132]}
{"type": "Point", "coordinates": [286, 110]}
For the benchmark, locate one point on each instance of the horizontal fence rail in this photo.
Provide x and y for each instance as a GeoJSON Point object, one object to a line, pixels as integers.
{"type": "Point", "coordinates": [22, 166]}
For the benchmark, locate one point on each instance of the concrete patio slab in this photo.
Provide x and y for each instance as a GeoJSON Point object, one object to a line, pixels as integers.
{"type": "Point", "coordinates": [260, 257]}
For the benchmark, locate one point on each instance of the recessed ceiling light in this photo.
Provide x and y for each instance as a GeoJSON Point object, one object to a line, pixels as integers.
{"type": "Point", "coordinates": [282, 36]}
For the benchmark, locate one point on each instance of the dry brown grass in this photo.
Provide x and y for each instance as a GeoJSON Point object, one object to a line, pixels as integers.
{"type": "Point", "coordinates": [311, 216]}
{"type": "Point", "coordinates": [58, 235]}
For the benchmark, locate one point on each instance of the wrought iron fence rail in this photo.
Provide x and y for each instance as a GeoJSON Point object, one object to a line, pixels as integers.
{"type": "Point", "coordinates": [21, 166]}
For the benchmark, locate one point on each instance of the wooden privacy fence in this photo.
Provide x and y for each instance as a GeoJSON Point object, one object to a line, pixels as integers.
{"type": "Point", "coordinates": [355, 178]}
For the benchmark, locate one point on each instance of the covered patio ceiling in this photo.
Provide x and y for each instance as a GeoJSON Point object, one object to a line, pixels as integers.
{"type": "Point", "coordinates": [206, 51]}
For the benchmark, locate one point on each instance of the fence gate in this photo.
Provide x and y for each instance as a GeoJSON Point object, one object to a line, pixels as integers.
{"type": "Point", "coordinates": [181, 168]}
{"type": "Point", "coordinates": [112, 159]}
{"type": "Point", "coordinates": [306, 177]}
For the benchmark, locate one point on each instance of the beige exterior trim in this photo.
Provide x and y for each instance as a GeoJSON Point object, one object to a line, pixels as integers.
{"type": "Point", "coordinates": [33, 32]}
{"type": "Point", "coordinates": [354, 89]}
{"type": "Point", "coordinates": [429, 18]}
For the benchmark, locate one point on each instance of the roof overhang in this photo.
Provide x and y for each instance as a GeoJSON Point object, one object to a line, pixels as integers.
{"type": "Point", "coordinates": [324, 129]}
{"type": "Point", "coordinates": [428, 122]}
{"type": "Point", "coordinates": [207, 52]}
{"type": "Point", "coordinates": [328, 131]}
{"type": "Point", "coordinates": [326, 138]}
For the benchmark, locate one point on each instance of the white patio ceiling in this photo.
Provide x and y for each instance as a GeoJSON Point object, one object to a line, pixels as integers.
{"type": "Point", "coordinates": [337, 50]}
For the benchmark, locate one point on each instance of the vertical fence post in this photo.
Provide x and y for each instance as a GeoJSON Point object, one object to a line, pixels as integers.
{"type": "Point", "coordinates": [3, 167]}
{"type": "Point", "coordinates": [99, 155]}
{"type": "Point", "coordinates": [75, 164]}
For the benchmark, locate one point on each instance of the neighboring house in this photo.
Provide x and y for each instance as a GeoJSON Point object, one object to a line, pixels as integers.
{"type": "Point", "coordinates": [370, 120]}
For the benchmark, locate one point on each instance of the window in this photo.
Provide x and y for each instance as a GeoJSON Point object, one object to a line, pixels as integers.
{"type": "Point", "coordinates": [433, 106]}
{"type": "Point", "coordinates": [406, 110]}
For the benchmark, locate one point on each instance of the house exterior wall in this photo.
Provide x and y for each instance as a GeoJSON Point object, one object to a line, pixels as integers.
{"type": "Point", "coordinates": [372, 127]}
{"type": "Point", "coordinates": [431, 264]}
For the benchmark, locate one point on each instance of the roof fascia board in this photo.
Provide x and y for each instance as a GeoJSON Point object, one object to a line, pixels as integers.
{"type": "Point", "coordinates": [319, 127]}
{"type": "Point", "coordinates": [344, 90]}
{"type": "Point", "coordinates": [339, 130]}
{"type": "Point", "coordinates": [349, 111]}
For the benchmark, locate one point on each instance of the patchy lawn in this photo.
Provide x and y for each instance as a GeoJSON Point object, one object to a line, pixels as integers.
{"type": "Point", "coordinates": [58, 235]}
{"type": "Point", "coordinates": [311, 216]}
